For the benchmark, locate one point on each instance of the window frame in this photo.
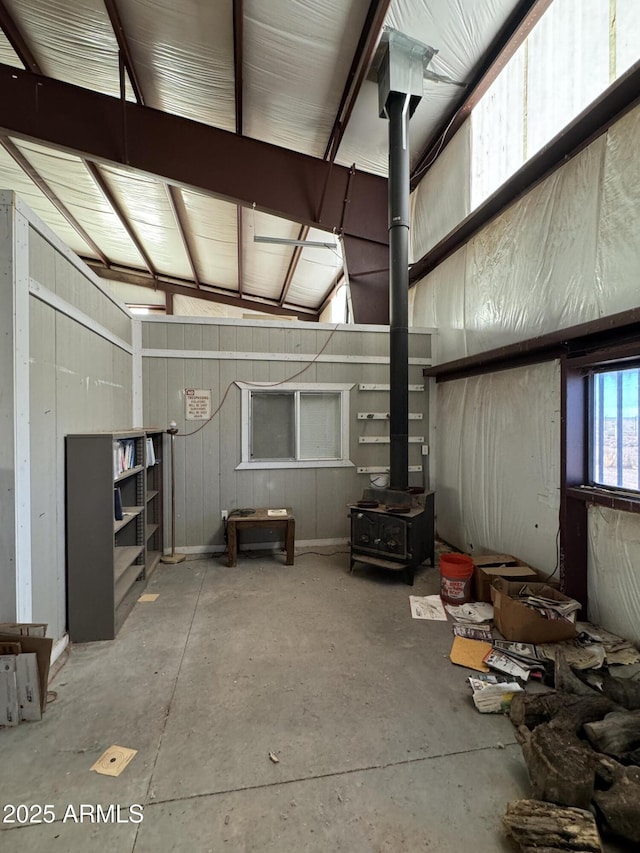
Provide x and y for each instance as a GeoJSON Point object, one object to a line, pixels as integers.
{"type": "Point", "coordinates": [248, 388]}
{"type": "Point", "coordinates": [597, 371]}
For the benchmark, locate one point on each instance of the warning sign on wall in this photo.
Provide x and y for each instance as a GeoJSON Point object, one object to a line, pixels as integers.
{"type": "Point", "coordinates": [197, 404]}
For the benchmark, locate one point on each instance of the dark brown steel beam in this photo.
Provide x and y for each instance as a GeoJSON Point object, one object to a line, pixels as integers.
{"type": "Point", "coordinates": [369, 288]}
{"type": "Point", "coordinates": [17, 40]}
{"type": "Point", "coordinates": [603, 333]}
{"type": "Point", "coordinates": [238, 59]}
{"type": "Point", "coordinates": [125, 52]}
{"type": "Point", "coordinates": [612, 104]}
{"type": "Point", "coordinates": [46, 190]}
{"type": "Point", "coordinates": [574, 533]}
{"type": "Point", "coordinates": [119, 212]}
{"type": "Point", "coordinates": [237, 168]}
{"type": "Point", "coordinates": [359, 67]}
{"type": "Point", "coordinates": [179, 213]}
{"type": "Point", "coordinates": [293, 263]}
{"type": "Point", "coordinates": [180, 288]}
{"type": "Point", "coordinates": [240, 249]}
{"type": "Point", "coordinates": [520, 23]}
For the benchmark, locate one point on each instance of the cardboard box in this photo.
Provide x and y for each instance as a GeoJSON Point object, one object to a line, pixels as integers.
{"type": "Point", "coordinates": [28, 681]}
{"type": "Point", "coordinates": [491, 566]}
{"type": "Point", "coordinates": [9, 710]}
{"type": "Point", "coordinates": [24, 629]}
{"type": "Point", "coordinates": [522, 624]}
{"type": "Point", "coordinates": [41, 647]}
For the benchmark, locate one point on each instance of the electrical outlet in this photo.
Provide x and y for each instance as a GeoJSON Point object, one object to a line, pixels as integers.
{"type": "Point", "coordinates": [225, 514]}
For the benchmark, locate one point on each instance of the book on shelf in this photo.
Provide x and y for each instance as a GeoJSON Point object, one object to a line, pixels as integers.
{"type": "Point", "coordinates": [124, 455]}
{"type": "Point", "coordinates": [150, 452]}
{"type": "Point", "coordinates": [118, 513]}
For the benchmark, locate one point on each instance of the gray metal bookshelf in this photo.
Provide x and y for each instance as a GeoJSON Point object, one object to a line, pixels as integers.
{"type": "Point", "coordinates": [110, 558]}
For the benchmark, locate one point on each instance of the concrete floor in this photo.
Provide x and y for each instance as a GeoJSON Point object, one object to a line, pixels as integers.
{"type": "Point", "coordinates": [379, 745]}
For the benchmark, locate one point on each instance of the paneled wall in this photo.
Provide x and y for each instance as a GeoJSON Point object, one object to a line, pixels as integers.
{"type": "Point", "coordinates": [74, 355]}
{"type": "Point", "coordinates": [213, 354]}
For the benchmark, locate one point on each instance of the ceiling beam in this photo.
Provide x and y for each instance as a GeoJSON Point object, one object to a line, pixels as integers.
{"type": "Point", "coordinates": [125, 52]}
{"type": "Point", "coordinates": [293, 264]}
{"type": "Point", "coordinates": [176, 203]}
{"type": "Point", "coordinates": [46, 190]}
{"type": "Point", "coordinates": [17, 40]}
{"type": "Point", "coordinates": [238, 59]}
{"type": "Point", "coordinates": [610, 106]}
{"type": "Point", "coordinates": [357, 73]}
{"type": "Point", "coordinates": [516, 29]}
{"type": "Point", "coordinates": [173, 286]}
{"type": "Point", "coordinates": [97, 176]}
{"type": "Point", "coordinates": [236, 168]}
{"type": "Point", "coordinates": [173, 193]}
{"type": "Point", "coordinates": [240, 248]}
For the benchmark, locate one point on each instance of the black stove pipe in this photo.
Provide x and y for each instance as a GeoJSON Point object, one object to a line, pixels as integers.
{"type": "Point", "coordinates": [398, 115]}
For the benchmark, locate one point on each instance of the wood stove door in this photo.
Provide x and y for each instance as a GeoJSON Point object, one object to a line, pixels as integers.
{"type": "Point", "coordinates": [378, 534]}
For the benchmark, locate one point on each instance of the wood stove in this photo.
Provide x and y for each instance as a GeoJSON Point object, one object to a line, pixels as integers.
{"type": "Point", "coordinates": [397, 534]}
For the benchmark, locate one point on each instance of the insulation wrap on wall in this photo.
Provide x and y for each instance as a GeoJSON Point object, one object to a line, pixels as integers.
{"type": "Point", "coordinates": [614, 571]}
{"type": "Point", "coordinates": [564, 254]}
{"type": "Point", "coordinates": [498, 455]}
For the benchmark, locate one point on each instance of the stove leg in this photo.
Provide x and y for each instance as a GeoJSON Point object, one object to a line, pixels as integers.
{"type": "Point", "coordinates": [408, 575]}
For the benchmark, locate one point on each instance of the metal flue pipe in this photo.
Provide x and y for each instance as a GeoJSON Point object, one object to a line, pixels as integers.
{"type": "Point", "coordinates": [399, 167]}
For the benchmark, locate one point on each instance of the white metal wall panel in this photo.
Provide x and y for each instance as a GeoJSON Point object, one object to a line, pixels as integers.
{"type": "Point", "coordinates": [69, 178]}
{"type": "Point", "coordinates": [461, 31]}
{"type": "Point", "coordinates": [183, 55]}
{"type": "Point", "coordinates": [618, 258]}
{"type": "Point", "coordinates": [441, 200]}
{"type": "Point", "coordinates": [146, 205]}
{"type": "Point", "coordinates": [498, 458]}
{"type": "Point", "coordinates": [207, 480]}
{"type": "Point", "coordinates": [72, 41]}
{"type": "Point", "coordinates": [12, 177]}
{"type": "Point", "coordinates": [51, 270]}
{"type": "Point", "coordinates": [297, 57]}
{"type": "Point", "coordinates": [613, 575]}
{"type": "Point", "coordinates": [213, 226]}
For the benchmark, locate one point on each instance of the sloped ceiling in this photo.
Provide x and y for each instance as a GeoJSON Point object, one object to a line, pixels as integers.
{"type": "Point", "coordinates": [169, 187]}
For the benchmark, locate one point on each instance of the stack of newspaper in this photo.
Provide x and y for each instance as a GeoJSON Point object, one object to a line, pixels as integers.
{"type": "Point", "coordinates": [492, 694]}
{"type": "Point", "coordinates": [550, 608]}
{"type": "Point", "coordinates": [517, 660]}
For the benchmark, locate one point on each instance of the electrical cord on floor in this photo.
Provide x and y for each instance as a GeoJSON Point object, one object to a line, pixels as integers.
{"type": "Point", "coordinates": [320, 553]}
